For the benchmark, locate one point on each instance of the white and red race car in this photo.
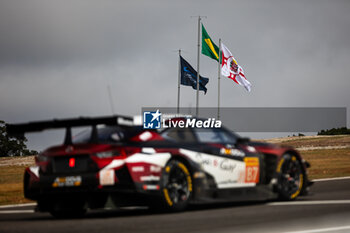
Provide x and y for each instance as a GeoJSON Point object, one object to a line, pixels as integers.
{"type": "Point", "coordinates": [119, 164]}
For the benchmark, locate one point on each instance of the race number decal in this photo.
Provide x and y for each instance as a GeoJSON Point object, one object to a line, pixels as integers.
{"type": "Point", "coordinates": [251, 169]}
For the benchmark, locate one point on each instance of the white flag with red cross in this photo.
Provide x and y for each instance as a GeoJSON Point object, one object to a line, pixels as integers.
{"type": "Point", "coordinates": [231, 69]}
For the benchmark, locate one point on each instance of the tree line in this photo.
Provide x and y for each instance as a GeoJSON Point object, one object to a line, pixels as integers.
{"type": "Point", "coordinates": [10, 146]}
{"type": "Point", "coordinates": [334, 131]}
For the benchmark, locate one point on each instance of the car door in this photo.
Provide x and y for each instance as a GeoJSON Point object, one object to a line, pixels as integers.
{"type": "Point", "coordinates": [221, 159]}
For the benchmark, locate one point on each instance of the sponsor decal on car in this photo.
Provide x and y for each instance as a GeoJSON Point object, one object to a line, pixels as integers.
{"type": "Point", "coordinates": [156, 169]}
{"type": "Point", "coordinates": [150, 178]}
{"type": "Point", "coordinates": [138, 169]}
{"type": "Point", "coordinates": [227, 165]}
{"type": "Point", "coordinates": [234, 152]}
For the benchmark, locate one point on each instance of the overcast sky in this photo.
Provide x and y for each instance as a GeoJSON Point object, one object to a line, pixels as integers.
{"type": "Point", "coordinates": [58, 57]}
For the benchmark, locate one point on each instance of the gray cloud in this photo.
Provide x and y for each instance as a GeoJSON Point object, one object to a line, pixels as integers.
{"type": "Point", "coordinates": [57, 57]}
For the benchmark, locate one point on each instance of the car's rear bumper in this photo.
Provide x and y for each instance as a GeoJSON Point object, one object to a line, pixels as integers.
{"type": "Point", "coordinates": [86, 184]}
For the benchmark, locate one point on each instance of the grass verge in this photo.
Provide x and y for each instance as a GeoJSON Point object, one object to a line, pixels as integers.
{"type": "Point", "coordinates": [11, 185]}
{"type": "Point", "coordinates": [328, 163]}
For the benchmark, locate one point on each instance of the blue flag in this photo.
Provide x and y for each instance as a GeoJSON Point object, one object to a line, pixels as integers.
{"type": "Point", "coordinates": [189, 76]}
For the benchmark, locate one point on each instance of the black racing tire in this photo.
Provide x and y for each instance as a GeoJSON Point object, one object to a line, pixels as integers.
{"type": "Point", "coordinates": [176, 186]}
{"type": "Point", "coordinates": [291, 177]}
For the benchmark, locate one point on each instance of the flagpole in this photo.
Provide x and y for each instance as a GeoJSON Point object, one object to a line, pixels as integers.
{"type": "Point", "coordinates": [178, 84]}
{"type": "Point", "coordinates": [198, 53]}
{"type": "Point", "coordinates": [219, 76]}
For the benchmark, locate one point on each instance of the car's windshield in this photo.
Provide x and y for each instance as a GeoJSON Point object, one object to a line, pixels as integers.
{"type": "Point", "coordinates": [183, 135]}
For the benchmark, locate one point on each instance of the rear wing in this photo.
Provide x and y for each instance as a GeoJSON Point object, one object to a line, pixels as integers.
{"type": "Point", "coordinates": [18, 130]}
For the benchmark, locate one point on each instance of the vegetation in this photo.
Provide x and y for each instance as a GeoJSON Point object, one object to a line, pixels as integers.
{"type": "Point", "coordinates": [334, 131]}
{"type": "Point", "coordinates": [10, 146]}
{"type": "Point", "coordinates": [299, 135]}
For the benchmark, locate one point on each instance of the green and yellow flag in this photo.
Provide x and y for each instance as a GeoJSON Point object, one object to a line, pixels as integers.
{"type": "Point", "coordinates": [208, 47]}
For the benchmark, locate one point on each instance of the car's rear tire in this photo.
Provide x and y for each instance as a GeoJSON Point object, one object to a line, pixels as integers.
{"type": "Point", "coordinates": [291, 177]}
{"type": "Point", "coordinates": [176, 186]}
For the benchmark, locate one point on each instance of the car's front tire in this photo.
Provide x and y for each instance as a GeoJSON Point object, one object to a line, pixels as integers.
{"type": "Point", "coordinates": [291, 177]}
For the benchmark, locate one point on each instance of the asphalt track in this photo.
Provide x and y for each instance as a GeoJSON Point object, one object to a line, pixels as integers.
{"type": "Point", "coordinates": [326, 209]}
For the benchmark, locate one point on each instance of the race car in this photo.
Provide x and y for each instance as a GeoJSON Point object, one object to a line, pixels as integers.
{"type": "Point", "coordinates": [116, 163]}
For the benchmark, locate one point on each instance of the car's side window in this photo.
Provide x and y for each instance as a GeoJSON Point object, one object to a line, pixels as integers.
{"type": "Point", "coordinates": [228, 137]}
{"type": "Point", "coordinates": [208, 135]}
{"type": "Point", "coordinates": [214, 135]}
{"type": "Point", "coordinates": [179, 135]}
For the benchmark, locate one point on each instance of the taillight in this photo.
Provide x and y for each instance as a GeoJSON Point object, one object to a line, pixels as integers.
{"type": "Point", "coordinates": [72, 162]}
